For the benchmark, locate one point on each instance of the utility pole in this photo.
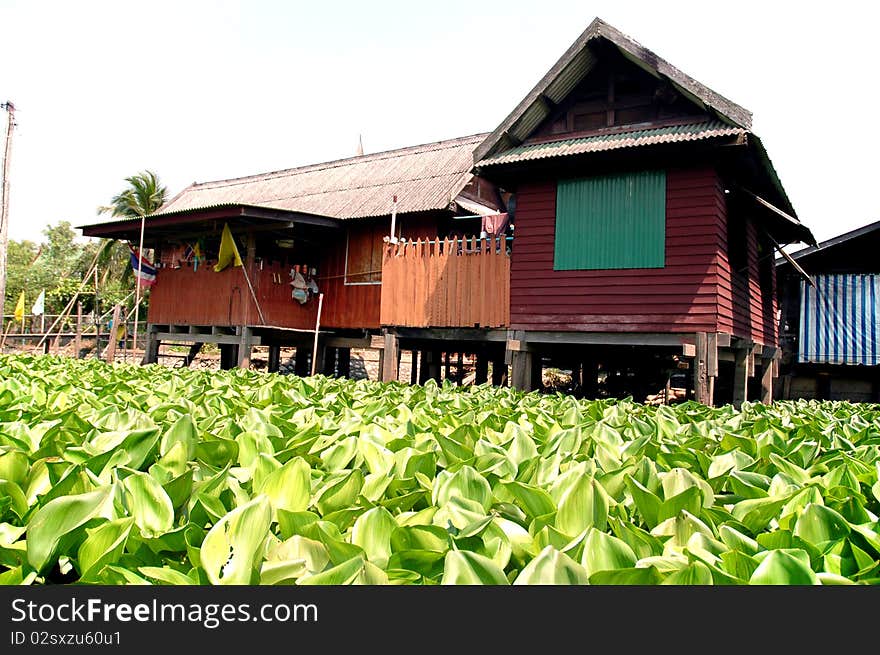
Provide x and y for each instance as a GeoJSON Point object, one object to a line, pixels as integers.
{"type": "Point", "coordinates": [4, 205]}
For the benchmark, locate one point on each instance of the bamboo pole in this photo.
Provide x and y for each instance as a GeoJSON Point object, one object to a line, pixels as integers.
{"type": "Point", "coordinates": [114, 327]}
{"type": "Point", "coordinates": [67, 309]}
{"type": "Point", "coordinates": [253, 295]}
{"type": "Point", "coordinates": [137, 281]}
{"type": "Point", "coordinates": [317, 327]}
{"type": "Point", "coordinates": [77, 341]}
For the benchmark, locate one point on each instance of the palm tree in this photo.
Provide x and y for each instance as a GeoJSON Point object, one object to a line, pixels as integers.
{"type": "Point", "coordinates": [143, 196]}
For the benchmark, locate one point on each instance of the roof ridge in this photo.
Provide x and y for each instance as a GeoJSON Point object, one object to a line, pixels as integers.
{"type": "Point", "coordinates": [335, 163]}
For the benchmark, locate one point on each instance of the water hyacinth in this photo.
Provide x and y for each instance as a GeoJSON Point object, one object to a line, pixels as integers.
{"type": "Point", "coordinates": [151, 475]}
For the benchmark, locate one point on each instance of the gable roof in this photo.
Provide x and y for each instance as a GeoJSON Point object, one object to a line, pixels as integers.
{"type": "Point", "coordinates": [575, 65]}
{"type": "Point", "coordinates": [424, 177]}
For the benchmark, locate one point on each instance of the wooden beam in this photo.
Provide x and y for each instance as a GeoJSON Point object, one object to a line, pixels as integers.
{"type": "Point", "coordinates": [414, 367]}
{"type": "Point", "coordinates": [349, 342]}
{"type": "Point", "coordinates": [184, 337]}
{"type": "Point", "coordinates": [389, 361]}
{"type": "Point", "coordinates": [245, 348]}
{"type": "Point", "coordinates": [274, 364]}
{"type": "Point", "coordinates": [606, 338]}
{"type": "Point", "coordinates": [742, 357]}
{"type": "Point", "coordinates": [481, 373]}
{"type": "Point", "coordinates": [191, 355]}
{"type": "Point", "coordinates": [343, 362]}
{"type": "Point", "coordinates": [701, 377]}
{"type": "Point", "coordinates": [499, 371]}
{"type": "Point", "coordinates": [301, 361]}
{"type": "Point", "coordinates": [767, 375]}
{"type": "Point", "coordinates": [451, 334]}
{"type": "Point", "coordinates": [521, 369]}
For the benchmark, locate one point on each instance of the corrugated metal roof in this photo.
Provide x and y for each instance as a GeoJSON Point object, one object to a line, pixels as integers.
{"type": "Point", "coordinates": [613, 141]}
{"type": "Point", "coordinates": [423, 178]}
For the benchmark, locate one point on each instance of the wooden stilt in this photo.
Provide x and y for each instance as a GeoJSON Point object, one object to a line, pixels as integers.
{"type": "Point", "coordinates": [151, 349]}
{"type": "Point", "coordinates": [274, 363]}
{"type": "Point", "coordinates": [228, 356]}
{"type": "Point", "coordinates": [499, 371]}
{"type": "Point", "coordinates": [343, 362]}
{"type": "Point", "coordinates": [742, 357]}
{"type": "Point", "coordinates": [481, 374]}
{"type": "Point", "coordinates": [245, 349]}
{"type": "Point", "coordinates": [767, 370]}
{"type": "Point", "coordinates": [414, 367]}
{"type": "Point", "coordinates": [301, 361]}
{"type": "Point", "coordinates": [194, 350]}
{"type": "Point", "coordinates": [111, 347]}
{"type": "Point", "coordinates": [521, 370]}
{"type": "Point", "coordinates": [390, 358]}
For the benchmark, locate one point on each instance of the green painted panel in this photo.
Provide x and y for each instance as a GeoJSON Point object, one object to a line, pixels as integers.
{"type": "Point", "coordinates": [611, 221]}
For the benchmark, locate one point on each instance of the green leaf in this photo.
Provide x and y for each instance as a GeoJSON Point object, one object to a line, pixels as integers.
{"type": "Point", "coordinates": [345, 573]}
{"type": "Point", "coordinates": [820, 525]}
{"type": "Point", "coordinates": [372, 532]}
{"type": "Point", "coordinates": [231, 551]}
{"type": "Point", "coordinates": [341, 493]}
{"type": "Point", "coordinates": [637, 576]}
{"type": "Point", "coordinates": [102, 546]}
{"type": "Point", "coordinates": [604, 552]}
{"type": "Point", "coordinates": [148, 503]}
{"type": "Point", "coordinates": [166, 575]}
{"type": "Point", "coordinates": [552, 567]}
{"type": "Point", "coordinates": [536, 502]}
{"type": "Point", "coordinates": [462, 567]}
{"type": "Point", "coordinates": [695, 573]}
{"type": "Point", "coordinates": [784, 567]}
{"type": "Point", "coordinates": [183, 431]}
{"type": "Point", "coordinates": [289, 487]}
{"type": "Point", "coordinates": [465, 483]}
{"type": "Point", "coordinates": [583, 505]}
{"type": "Point", "coordinates": [58, 518]}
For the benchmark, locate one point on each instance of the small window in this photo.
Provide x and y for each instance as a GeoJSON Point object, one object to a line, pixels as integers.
{"type": "Point", "coordinates": [611, 222]}
{"type": "Point", "coordinates": [363, 253]}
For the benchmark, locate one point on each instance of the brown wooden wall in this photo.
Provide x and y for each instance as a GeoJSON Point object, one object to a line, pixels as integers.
{"type": "Point", "coordinates": [453, 283]}
{"type": "Point", "coordinates": [204, 297]}
{"type": "Point", "coordinates": [681, 297]}
{"type": "Point", "coordinates": [748, 307]}
{"type": "Point", "coordinates": [356, 306]}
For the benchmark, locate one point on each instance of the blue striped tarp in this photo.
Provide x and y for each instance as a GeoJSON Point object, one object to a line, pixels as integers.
{"type": "Point", "coordinates": [840, 320]}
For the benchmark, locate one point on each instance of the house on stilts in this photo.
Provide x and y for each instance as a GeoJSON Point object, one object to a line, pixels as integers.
{"type": "Point", "coordinates": [620, 223]}
{"type": "Point", "coordinates": [830, 334]}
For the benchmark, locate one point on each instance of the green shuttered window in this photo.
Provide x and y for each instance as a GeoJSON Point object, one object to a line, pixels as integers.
{"type": "Point", "coordinates": [611, 221]}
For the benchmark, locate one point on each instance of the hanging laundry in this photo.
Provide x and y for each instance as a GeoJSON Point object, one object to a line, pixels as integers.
{"type": "Point", "coordinates": [495, 224]}
{"type": "Point", "coordinates": [300, 291]}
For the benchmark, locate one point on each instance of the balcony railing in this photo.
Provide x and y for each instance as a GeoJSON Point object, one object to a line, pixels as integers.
{"type": "Point", "coordinates": [461, 282]}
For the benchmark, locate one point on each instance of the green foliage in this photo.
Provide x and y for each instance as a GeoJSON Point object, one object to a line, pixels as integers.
{"type": "Point", "coordinates": [127, 474]}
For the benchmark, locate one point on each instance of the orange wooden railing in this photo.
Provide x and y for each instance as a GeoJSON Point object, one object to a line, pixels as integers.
{"type": "Point", "coordinates": [446, 283]}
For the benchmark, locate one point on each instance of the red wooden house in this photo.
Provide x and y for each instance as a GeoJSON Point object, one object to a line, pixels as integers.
{"type": "Point", "coordinates": [325, 222]}
{"type": "Point", "coordinates": [632, 218]}
{"type": "Point", "coordinates": [646, 218]}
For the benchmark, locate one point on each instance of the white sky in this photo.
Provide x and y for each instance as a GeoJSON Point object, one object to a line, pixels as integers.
{"type": "Point", "coordinates": [207, 90]}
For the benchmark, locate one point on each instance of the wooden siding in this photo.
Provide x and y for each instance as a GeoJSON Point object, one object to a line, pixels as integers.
{"type": "Point", "coordinates": [204, 297]}
{"type": "Point", "coordinates": [681, 297]}
{"type": "Point", "coordinates": [453, 283]}
{"type": "Point", "coordinates": [357, 306]}
{"type": "Point", "coordinates": [748, 308]}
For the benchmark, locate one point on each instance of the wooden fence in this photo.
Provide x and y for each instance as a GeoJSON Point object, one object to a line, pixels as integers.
{"type": "Point", "coordinates": [449, 283]}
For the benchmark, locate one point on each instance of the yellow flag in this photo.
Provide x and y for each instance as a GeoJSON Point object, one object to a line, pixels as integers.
{"type": "Point", "coordinates": [19, 308]}
{"type": "Point", "coordinates": [228, 251]}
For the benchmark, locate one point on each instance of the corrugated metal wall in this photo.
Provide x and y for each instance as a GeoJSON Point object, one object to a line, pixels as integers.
{"type": "Point", "coordinates": [611, 222]}
{"type": "Point", "coordinates": [839, 320]}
